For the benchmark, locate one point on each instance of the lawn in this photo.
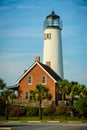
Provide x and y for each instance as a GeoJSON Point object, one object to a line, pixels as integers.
{"type": "Point", "coordinates": [45, 119]}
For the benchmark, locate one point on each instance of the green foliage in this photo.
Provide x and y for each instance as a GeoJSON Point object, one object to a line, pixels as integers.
{"type": "Point", "coordinates": [8, 95]}
{"type": "Point", "coordinates": [39, 94]}
{"type": "Point", "coordinates": [73, 89]}
{"type": "Point", "coordinates": [2, 84]}
{"type": "Point", "coordinates": [43, 92]}
{"type": "Point", "coordinates": [63, 110]}
{"type": "Point", "coordinates": [49, 111]}
{"type": "Point", "coordinates": [6, 99]}
{"type": "Point", "coordinates": [60, 110]}
{"type": "Point", "coordinates": [32, 111]}
{"type": "Point", "coordinates": [2, 107]}
{"type": "Point", "coordinates": [80, 107]}
{"type": "Point", "coordinates": [63, 88]}
{"type": "Point", "coordinates": [17, 111]}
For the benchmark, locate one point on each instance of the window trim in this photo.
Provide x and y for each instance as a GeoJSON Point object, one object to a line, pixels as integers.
{"type": "Point", "coordinates": [26, 95]}
{"type": "Point", "coordinates": [43, 76]}
{"type": "Point", "coordinates": [30, 76]}
{"type": "Point", "coordinates": [47, 36]}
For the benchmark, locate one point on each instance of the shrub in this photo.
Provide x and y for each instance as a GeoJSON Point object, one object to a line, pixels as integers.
{"type": "Point", "coordinates": [63, 110]}
{"type": "Point", "coordinates": [80, 107]}
{"type": "Point", "coordinates": [17, 111]}
{"type": "Point", "coordinates": [49, 111]}
{"type": "Point", "coordinates": [2, 107]}
{"type": "Point", "coordinates": [32, 111]}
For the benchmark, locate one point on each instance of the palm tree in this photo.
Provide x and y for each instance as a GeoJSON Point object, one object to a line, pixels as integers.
{"type": "Point", "coordinates": [77, 90]}
{"type": "Point", "coordinates": [42, 93]}
{"type": "Point", "coordinates": [82, 91]}
{"type": "Point", "coordinates": [62, 88]}
{"type": "Point", "coordinates": [32, 95]}
{"type": "Point", "coordinates": [85, 92]}
{"type": "Point", "coordinates": [8, 96]}
{"type": "Point", "coordinates": [74, 90]}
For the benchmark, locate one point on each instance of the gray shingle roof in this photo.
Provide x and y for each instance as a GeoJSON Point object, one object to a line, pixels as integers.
{"type": "Point", "coordinates": [50, 71]}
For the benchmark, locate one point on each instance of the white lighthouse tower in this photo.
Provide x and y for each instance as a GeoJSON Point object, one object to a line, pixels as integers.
{"type": "Point", "coordinates": [53, 43]}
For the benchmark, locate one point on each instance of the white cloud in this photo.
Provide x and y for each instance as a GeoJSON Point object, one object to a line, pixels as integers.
{"type": "Point", "coordinates": [18, 6]}
{"type": "Point", "coordinates": [9, 56]}
{"type": "Point", "coordinates": [27, 6]}
{"type": "Point", "coordinates": [21, 32]}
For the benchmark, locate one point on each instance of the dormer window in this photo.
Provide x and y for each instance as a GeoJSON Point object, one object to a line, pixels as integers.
{"type": "Point", "coordinates": [29, 79]}
{"type": "Point", "coordinates": [43, 79]}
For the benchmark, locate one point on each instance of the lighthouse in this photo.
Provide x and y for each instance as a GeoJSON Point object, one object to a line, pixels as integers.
{"type": "Point", "coordinates": [52, 52]}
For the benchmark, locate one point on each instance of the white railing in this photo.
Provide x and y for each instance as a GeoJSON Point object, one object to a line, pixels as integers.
{"type": "Point", "coordinates": [26, 102]}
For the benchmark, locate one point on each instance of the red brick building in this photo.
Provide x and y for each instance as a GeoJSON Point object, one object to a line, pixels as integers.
{"type": "Point", "coordinates": [38, 73]}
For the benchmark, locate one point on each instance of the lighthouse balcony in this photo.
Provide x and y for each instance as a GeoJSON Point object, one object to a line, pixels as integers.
{"type": "Point", "coordinates": [53, 23]}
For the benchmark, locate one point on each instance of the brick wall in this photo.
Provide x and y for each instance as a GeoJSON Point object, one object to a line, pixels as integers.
{"type": "Point", "coordinates": [37, 72]}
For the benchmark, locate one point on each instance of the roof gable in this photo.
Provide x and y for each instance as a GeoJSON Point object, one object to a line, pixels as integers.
{"type": "Point", "coordinates": [25, 73]}
{"type": "Point", "coordinates": [46, 68]}
{"type": "Point", "coordinates": [50, 72]}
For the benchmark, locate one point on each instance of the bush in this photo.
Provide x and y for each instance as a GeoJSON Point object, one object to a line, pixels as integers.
{"type": "Point", "coordinates": [63, 110]}
{"type": "Point", "coordinates": [32, 111]}
{"type": "Point", "coordinates": [80, 108]}
{"type": "Point", "coordinates": [49, 111]}
{"type": "Point", "coordinates": [17, 111]}
{"type": "Point", "coordinates": [2, 107]}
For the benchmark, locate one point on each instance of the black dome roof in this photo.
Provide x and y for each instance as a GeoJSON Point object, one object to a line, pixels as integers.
{"type": "Point", "coordinates": [53, 15]}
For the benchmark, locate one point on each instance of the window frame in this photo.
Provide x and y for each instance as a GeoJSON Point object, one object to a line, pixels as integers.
{"type": "Point", "coordinates": [30, 80]}
{"type": "Point", "coordinates": [47, 36]}
{"type": "Point", "coordinates": [43, 81]}
{"type": "Point", "coordinates": [26, 95]}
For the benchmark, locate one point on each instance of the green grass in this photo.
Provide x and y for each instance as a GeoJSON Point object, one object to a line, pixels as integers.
{"type": "Point", "coordinates": [45, 119]}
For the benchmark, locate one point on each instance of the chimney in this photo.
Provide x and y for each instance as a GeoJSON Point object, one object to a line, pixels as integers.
{"type": "Point", "coordinates": [48, 63]}
{"type": "Point", "coordinates": [37, 58]}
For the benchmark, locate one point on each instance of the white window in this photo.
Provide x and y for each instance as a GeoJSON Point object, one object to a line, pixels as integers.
{"type": "Point", "coordinates": [29, 79]}
{"type": "Point", "coordinates": [26, 95]}
{"type": "Point", "coordinates": [47, 36]}
{"type": "Point", "coordinates": [43, 79]}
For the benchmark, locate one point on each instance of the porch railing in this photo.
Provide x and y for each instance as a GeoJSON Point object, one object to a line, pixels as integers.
{"type": "Point", "coordinates": [26, 102]}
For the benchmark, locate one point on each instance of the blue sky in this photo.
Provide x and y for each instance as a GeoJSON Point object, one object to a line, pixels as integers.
{"type": "Point", "coordinates": [21, 36]}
